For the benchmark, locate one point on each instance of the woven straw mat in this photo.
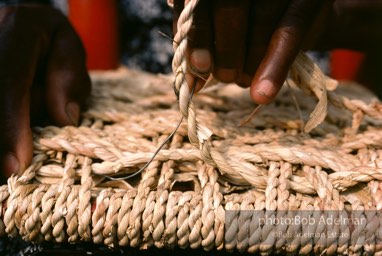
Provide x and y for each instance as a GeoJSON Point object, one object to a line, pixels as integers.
{"type": "Point", "coordinates": [180, 201]}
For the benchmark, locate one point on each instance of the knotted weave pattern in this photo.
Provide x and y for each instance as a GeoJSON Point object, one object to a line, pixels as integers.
{"type": "Point", "coordinates": [273, 169]}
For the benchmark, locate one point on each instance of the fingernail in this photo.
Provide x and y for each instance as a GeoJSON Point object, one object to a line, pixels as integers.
{"type": "Point", "coordinates": [73, 112]}
{"type": "Point", "coordinates": [201, 60]}
{"type": "Point", "coordinates": [11, 164]}
{"type": "Point", "coordinates": [226, 75]}
{"type": "Point", "coordinates": [265, 88]}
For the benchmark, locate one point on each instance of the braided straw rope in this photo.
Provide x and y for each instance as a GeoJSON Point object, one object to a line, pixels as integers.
{"type": "Point", "coordinates": [219, 194]}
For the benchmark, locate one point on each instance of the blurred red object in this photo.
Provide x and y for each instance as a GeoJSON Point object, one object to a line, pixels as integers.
{"type": "Point", "coordinates": [96, 21]}
{"type": "Point", "coordinates": [345, 64]}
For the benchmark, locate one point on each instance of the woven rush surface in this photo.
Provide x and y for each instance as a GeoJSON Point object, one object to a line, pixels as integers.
{"type": "Point", "coordinates": [180, 201]}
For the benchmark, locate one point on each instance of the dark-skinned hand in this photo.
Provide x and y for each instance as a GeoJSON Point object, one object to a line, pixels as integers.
{"type": "Point", "coordinates": [254, 43]}
{"type": "Point", "coordinates": [43, 78]}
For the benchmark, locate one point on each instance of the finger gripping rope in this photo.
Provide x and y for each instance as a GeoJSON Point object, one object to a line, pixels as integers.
{"type": "Point", "coordinates": [303, 72]}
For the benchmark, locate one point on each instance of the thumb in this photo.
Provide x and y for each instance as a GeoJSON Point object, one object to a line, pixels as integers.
{"type": "Point", "coordinates": [67, 80]}
{"type": "Point", "coordinates": [15, 132]}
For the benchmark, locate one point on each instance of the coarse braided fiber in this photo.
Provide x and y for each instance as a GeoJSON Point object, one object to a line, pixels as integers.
{"type": "Point", "coordinates": [181, 201]}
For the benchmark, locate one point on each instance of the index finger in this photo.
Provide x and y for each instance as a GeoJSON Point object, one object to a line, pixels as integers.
{"type": "Point", "coordinates": [285, 43]}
